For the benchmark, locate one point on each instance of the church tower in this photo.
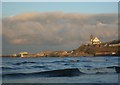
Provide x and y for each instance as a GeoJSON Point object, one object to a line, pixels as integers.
{"type": "Point", "coordinates": [91, 39]}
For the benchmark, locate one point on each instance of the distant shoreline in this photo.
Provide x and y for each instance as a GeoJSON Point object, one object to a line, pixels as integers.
{"type": "Point", "coordinates": [61, 56]}
{"type": "Point", "coordinates": [111, 48]}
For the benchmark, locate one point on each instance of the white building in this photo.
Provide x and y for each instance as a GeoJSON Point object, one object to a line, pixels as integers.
{"type": "Point", "coordinates": [96, 41]}
{"type": "Point", "coordinates": [23, 54]}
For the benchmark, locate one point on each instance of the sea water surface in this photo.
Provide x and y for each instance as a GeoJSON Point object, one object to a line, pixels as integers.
{"type": "Point", "coordinates": [41, 70]}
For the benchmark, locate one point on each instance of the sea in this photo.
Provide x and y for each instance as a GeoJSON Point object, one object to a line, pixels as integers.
{"type": "Point", "coordinates": [60, 70]}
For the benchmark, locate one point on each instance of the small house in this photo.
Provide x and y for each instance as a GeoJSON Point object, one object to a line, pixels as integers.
{"type": "Point", "coordinates": [23, 54]}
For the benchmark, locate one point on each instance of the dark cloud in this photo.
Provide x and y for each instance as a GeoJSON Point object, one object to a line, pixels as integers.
{"type": "Point", "coordinates": [58, 30]}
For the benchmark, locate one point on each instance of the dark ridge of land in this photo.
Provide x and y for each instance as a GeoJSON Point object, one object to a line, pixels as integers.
{"type": "Point", "coordinates": [98, 50]}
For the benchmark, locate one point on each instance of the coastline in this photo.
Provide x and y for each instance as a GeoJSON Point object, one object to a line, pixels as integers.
{"type": "Point", "coordinates": [95, 50]}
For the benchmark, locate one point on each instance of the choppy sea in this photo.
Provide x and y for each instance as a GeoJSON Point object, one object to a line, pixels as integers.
{"type": "Point", "coordinates": [60, 70]}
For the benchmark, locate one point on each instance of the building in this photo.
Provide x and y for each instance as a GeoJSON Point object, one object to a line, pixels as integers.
{"type": "Point", "coordinates": [91, 39]}
{"type": "Point", "coordinates": [115, 44]}
{"type": "Point", "coordinates": [23, 54]}
{"type": "Point", "coordinates": [94, 41]}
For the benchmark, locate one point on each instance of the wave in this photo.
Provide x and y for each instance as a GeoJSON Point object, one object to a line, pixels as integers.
{"type": "Point", "coordinates": [10, 68]}
{"type": "Point", "coordinates": [54, 73]}
{"type": "Point", "coordinates": [6, 68]}
{"type": "Point", "coordinates": [25, 62]}
{"type": "Point", "coordinates": [70, 72]}
{"type": "Point", "coordinates": [65, 61]}
{"type": "Point", "coordinates": [101, 70]}
{"type": "Point", "coordinates": [38, 66]}
{"type": "Point", "coordinates": [117, 68]}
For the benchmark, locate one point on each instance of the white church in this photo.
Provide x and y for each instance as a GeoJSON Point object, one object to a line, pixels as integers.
{"type": "Point", "coordinates": [94, 40]}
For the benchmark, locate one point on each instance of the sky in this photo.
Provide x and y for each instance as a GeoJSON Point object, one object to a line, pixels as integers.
{"type": "Point", "coordinates": [60, 1]}
{"type": "Point", "coordinates": [15, 8]}
{"type": "Point", "coordinates": [39, 26]}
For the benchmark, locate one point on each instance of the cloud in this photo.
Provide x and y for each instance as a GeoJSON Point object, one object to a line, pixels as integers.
{"type": "Point", "coordinates": [58, 28]}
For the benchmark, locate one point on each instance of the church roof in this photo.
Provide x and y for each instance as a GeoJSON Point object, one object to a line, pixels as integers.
{"type": "Point", "coordinates": [96, 39]}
